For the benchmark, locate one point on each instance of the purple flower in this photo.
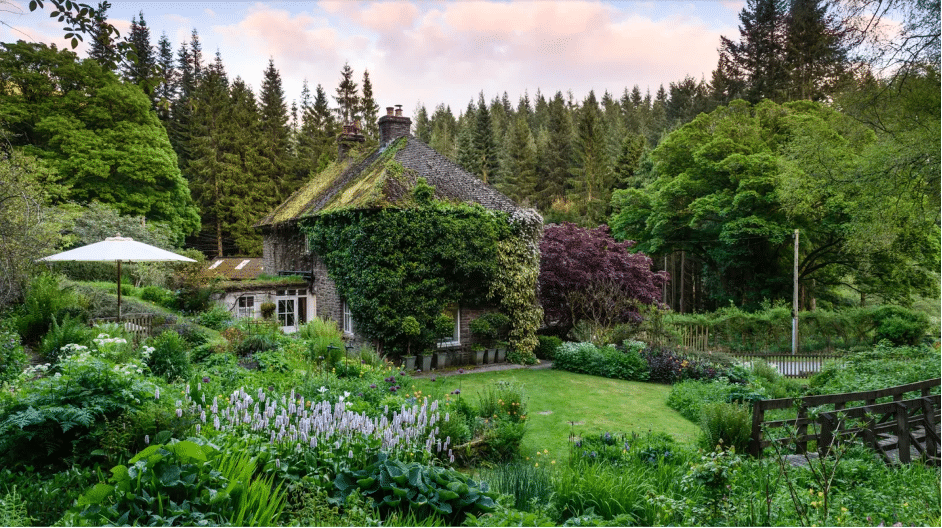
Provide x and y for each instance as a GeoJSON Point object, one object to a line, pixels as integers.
{"type": "Point", "coordinates": [433, 379]}
{"type": "Point", "coordinates": [401, 373]}
{"type": "Point", "coordinates": [146, 439]}
{"type": "Point", "coordinates": [392, 389]}
{"type": "Point", "coordinates": [460, 371]}
{"type": "Point", "coordinates": [372, 385]}
{"type": "Point", "coordinates": [456, 391]}
{"type": "Point", "coordinates": [205, 379]}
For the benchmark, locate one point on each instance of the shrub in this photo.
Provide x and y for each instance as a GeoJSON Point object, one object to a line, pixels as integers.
{"type": "Point", "coordinates": [157, 295]}
{"type": "Point", "coordinates": [689, 396]}
{"type": "Point", "coordinates": [169, 358]}
{"type": "Point", "coordinates": [71, 331]}
{"type": "Point", "coordinates": [46, 497]}
{"type": "Point", "coordinates": [44, 301]}
{"type": "Point", "coordinates": [12, 510]}
{"type": "Point", "coordinates": [668, 366]}
{"type": "Point", "coordinates": [52, 420]}
{"type": "Point", "coordinates": [12, 357]}
{"type": "Point", "coordinates": [253, 344]}
{"type": "Point", "coordinates": [217, 318]}
{"type": "Point", "coordinates": [547, 347]}
{"type": "Point", "coordinates": [606, 361]}
{"type": "Point", "coordinates": [318, 327]}
{"type": "Point", "coordinates": [725, 425]}
{"type": "Point", "coordinates": [490, 327]}
{"type": "Point", "coordinates": [900, 326]}
{"type": "Point", "coordinates": [182, 483]}
{"type": "Point", "coordinates": [531, 487]}
{"type": "Point", "coordinates": [421, 489]}
{"type": "Point", "coordinates": [272, 361]}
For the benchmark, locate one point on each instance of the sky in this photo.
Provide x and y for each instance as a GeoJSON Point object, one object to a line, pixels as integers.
{"type": "Point", "coordinates": [433, 52]}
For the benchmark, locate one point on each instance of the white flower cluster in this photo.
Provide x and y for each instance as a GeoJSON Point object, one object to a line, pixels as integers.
{"type": "Point", "coordinates": [293, 420]}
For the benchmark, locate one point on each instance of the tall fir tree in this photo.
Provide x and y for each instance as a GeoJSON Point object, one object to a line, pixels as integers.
{"type": "Point", "coordinates": [210, 171]}
{"type": "Point", "coordinates": [628, 162]}
{"type": "Point", "coordinates": [189, 64]}
{"type": "Point", "coordinates": [465, 152]}
{"type": "Point", "coordinates": [166, 91]}
{"type": "Point", "coordinates": [139, 66]}
{"type": "Point", "coordinates": [485, 146]}
{"type": "Point", "coordinates": [327, 129]}
{"type": "Point", "coordinates": [556, 155]}
{"type": "Point", "coordinates": [518, 162]}
{"type": "Point", "coordinates": [443, 132]}
{"type": "Point", "coordinates": [104, 50]}
{"type": "Point", "coordinates": [423, 126]}
{"type": "Point", "coordinates": [369, 111]}
{"type": "Point", "coordinates": [758, 58]}
{"type": "Point", "coordinates": [591, 182]}
{"type": "Point", "coordinates": [275, 132]}
{"type": "Point", "coordinates": [657, 123]}
{"type": "Point", "coordinates": [815, 51]}
{"type": "Point", "coordinates": [347, 98]}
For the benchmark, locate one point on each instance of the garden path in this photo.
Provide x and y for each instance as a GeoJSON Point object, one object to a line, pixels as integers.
{"type": "Point", "coordinates": [472, 369]}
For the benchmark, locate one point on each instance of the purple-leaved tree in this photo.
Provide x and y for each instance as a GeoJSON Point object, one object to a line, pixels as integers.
{"type": "Point", "coordinates": [586, 275]}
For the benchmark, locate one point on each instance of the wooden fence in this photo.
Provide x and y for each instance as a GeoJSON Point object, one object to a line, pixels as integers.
{"type": "Point", "coordinates": [140, 325]}
{"type": "Point", "coordinates": [791, 365]}
{"type": "Point", "coordinates": [897, 426]}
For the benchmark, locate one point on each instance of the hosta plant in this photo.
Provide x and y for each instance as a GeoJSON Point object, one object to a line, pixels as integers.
{"type": "Point", "coordinates": [397, 486]}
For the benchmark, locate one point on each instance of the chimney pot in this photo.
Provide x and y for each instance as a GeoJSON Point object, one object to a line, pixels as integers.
{"type": "Point", "coordinates": [389, 110]}
{"type": "Point", "coordinates": [398, 110]}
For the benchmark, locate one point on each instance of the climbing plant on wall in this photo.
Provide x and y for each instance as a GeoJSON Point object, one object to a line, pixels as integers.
{"type": "Point", "coordinates": [394, 263]}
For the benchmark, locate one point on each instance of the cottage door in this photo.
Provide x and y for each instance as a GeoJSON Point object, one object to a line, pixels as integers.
{"type": "Point", "coordinates": [286, 301]}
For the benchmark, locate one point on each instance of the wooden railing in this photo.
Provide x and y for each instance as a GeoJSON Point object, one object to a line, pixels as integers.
{"type": "Point", "coordinates": [141, 326]}
{"type": "Point", "coordinates": [903, 424]}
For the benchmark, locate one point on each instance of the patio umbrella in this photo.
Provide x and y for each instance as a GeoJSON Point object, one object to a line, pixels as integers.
{"type": "Point", "coordinates": [117, 249]}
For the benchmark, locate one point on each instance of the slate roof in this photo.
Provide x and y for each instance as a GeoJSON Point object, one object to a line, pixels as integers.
{"type": "Point", "coordinates": [234, 268]}
{"type": "Point", "coordinates": [372, 181]}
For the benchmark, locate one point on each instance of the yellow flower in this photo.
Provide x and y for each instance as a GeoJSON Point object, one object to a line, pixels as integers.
{"type": "Point", "coordinates": [820, 494]}
{"type": "Point", "coordinates": [536, 465]}
{"type": "Point", "coordinates": [553, 462]}
{"type": "Point", "coordinates": [538, 453]}
{"type": "Point", "coordinates": [843, 509]}
{"type": "Point", "coordinates": [546, 451]}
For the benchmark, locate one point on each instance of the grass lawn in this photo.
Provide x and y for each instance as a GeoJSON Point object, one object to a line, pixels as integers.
{"type": "Point", "coordinates": [560, 403]}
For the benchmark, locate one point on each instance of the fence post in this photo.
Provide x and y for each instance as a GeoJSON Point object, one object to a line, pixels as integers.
{"type": "Point", "coordinates": [902, 433]}
{"type": "Point", "coordinates": [801, 430]}
{"type": "Point", "coordinates": [932, 442]}
{"type": "Point", "coordinates": [755, 443]}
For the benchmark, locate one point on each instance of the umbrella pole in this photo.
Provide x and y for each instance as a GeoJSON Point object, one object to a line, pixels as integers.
{"type": "Point", "coordinates": [119, 291]}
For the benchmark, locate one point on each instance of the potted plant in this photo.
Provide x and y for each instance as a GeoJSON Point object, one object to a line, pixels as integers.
{"type": "Point", "coordinates": [489, 328]}
{"type": "Point", "coordinates": [444, 325]}
{"type": "Point", "coordinates": [479, 352]}
{"type": "Point", "coordinates": [426, 361]}
{"type": "Point", "coordinates": [411, 329]}
{"type": "Point", "coordinates": [268, 310]}
{"type": "Point", "coordinates": [441, 358]}
{"type": "Point", "coordinates": [501, 350]}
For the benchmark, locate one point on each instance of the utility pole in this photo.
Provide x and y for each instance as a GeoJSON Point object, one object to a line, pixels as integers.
{"type": "Point", "coordinates": [795, 300]}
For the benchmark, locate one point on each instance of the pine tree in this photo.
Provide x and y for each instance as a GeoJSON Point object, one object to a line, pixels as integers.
{"type": "Point", "coordinates": [591, 182]}
{"type": "Point", "coordinates": [758, 59]}
{"type": "Point", "coordinates": [556, 156]}
{"type": "Point", "coordinates": [104, 49]}
{"type": "Point", "coordinates": [140, 63]}
{"type": "Point", "coordinates": [688, 99]}
{"type": "Point", "coordinates": [628, 162]}
{"type": "Point", "coordinates": [485, 147]}
{"type": "Point", "coordinates": [369, 111]}
{"type": "Point", "coordinates": [196, 55]}
{"type": "Point", "coordinates": [348, 102]}
{"type": "Point", "coordinates": [210, 171]}
{"type": "Point", "coordinates": [815, 54]}
{"type": "Point", "coordinates": [166, 91]}
{"type": "Point", "coordinates": [275, 132]}
{"type": "Point", "coordinates": [423, 126]}
{"type": "Point", "coordinates": [465, 152]}
{"type": "Point", "coordinates": [657, 123]}
{"type": "Point", "coordinates": [444, 126]}
{"type": "Point", "coordinates": [518, 162]}
{"type": "Point", "coordinates": [326, 127]}
{"type": "Point", "coordinates": [181, 108]}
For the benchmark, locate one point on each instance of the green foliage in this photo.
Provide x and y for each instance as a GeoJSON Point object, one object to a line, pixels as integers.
{"type": "Point", "coordinates": [607, 361]}
{"type": "Point", "coordinates": [45, 299]}
{"type": "Point", "coordinates": [157, 295]}
{"type": "Point", "coordinates": [170, 358]}
{"type": "Point", "coordinates": [490, 327]}
{"type": "Point", "coordinates": [272, 361]}
{"type": "Point", "coordinates": [531, 487]}
{"type": "Point", "coordinates": [99, 134]}
{"type": "Point", "coordinates": [46, 496]}
{"type": "Point", "coordinates": [13, 510]}
{"type": "Point", "coordinates": [547, 347]}
{"type": "Point", "coordinates": [12, 356]}
{"type": "Point", "coordinates": [54, 419]}
{"type": "Point", "coordinates": [267, 309]}
{"type": "Point", "coordinates": [445, 254]}
{"type": "Point", "coordinates": [899, 325]}
{"type": "Point", "coordinates": [725, 426]}
{"type": "Point", "coordinates": [877, 368]}
{"type": "Point", "coordinates": [69, 332]}
{"type": "Point", "coordinates": [421, 489]}
{"type": "Point", "coordinates": [186, 483]}
{"type": "Point", "coordinates": [217, 318]}
{"type": "Point", "coordinates": [319, 327]}
{"type": "Point", "coordinates": [688, 397]}
{"type": "Point", "coordinates": [255, 343]}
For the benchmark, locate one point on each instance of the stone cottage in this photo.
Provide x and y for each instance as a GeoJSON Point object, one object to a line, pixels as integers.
{"type": "Point", "coordinates": [353, 182]}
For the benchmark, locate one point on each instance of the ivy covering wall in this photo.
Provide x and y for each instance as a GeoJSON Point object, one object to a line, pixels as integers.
{"type": "Point", "coordinates": [413, 261]}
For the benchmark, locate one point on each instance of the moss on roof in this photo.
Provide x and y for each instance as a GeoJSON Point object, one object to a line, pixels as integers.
{"type": "Point", "coordinates": [385, 177]}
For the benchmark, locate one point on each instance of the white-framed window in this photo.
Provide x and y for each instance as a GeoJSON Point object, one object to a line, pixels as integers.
{"type": "Point", "coordinates": [347, 319]}
{"type": "Point", "coordinates": [455, 338]}
{"type": "Point", "coordinates": [246, 307]}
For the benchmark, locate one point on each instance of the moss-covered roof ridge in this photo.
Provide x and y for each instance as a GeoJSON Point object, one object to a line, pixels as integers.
{"type": "Point", "coordinates": [385, 177]}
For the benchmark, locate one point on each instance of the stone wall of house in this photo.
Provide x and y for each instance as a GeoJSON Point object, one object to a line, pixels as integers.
{"type": "Point", "coordinates": [284, 249]}
{"type": "Point", "coordinates": [468, 315]}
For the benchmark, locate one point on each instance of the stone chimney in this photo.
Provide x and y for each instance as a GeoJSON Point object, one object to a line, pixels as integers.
{"type": "Point", "coordinates": [348, 139]}
{"type": "Point", "coordinates": [393, 125]}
